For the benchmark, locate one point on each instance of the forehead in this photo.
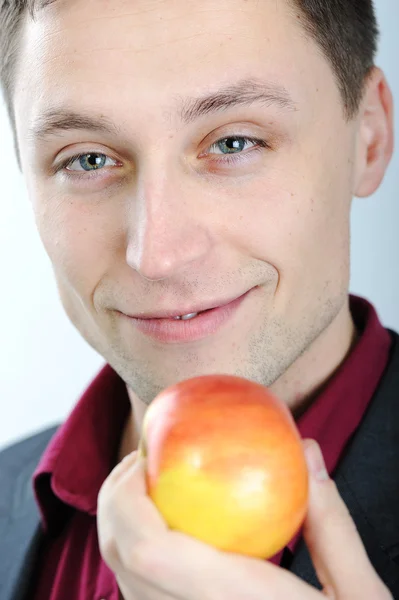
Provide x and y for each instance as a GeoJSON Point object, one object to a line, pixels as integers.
{"type": "Point", "coordinates": [144, 53]}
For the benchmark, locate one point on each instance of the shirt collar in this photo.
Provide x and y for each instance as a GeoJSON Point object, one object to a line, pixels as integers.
{"type": "Point", "coordinates": [84, 449]}
{"type": "Point", "coordinates": [337, 411]}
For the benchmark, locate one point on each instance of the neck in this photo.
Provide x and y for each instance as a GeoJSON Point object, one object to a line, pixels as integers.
{"type": "Point", "coordinates": [297, 387]}
{"type": "Point", "coordinates": [306, 377]}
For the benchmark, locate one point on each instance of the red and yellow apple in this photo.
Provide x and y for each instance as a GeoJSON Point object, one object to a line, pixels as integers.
{"type": "Point", "coordinates": [225, 464]}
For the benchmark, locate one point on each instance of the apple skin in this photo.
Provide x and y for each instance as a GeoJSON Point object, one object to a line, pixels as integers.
{"type": "Point", "coordinates": [225, 464]}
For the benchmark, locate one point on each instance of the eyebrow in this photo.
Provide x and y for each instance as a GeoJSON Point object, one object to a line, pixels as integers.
{"type": "Point", "coordinates": [55, 121]}
{"type": "Point", "coordinates": [245, 92]}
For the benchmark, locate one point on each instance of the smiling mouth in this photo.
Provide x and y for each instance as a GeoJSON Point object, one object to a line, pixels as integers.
{"type": "Point", "coordinates": [188, 313]}
{"type": "Point", "coordinates": [191, 326]}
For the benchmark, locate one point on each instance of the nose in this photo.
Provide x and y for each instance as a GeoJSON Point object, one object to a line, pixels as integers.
{"type": "Point", "coordinates": [166, 231]}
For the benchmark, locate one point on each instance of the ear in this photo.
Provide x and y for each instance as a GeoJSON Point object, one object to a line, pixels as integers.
{"type": "Point", "coordinates": [375, 134]}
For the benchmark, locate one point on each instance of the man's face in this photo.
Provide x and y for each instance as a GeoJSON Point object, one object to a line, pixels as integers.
{"type": "Point", "coordinates": [191, 202]}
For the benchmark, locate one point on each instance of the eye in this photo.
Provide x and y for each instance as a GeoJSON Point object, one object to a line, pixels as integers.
{"type": "Point", "coordinates": [235, 145]}
{"type": "Point", "coordinates": [91, 161]}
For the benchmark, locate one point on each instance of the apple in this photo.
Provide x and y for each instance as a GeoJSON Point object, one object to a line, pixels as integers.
{"type": "Point", "coordinates": [225, 464]}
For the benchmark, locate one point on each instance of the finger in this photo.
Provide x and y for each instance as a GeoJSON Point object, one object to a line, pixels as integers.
{"type": "Point", "coordinates": [125, 514]}
{"type": "Point", "coordinates": [334, 543]}
{"type": "Point", "coordinates": [122, 523]}
{"type": "Point", "coordinates": [133, 588]}
{"type": "Point", "coordinates": [126, 463]}
{"type": "Point", "coordinates": [187, 569]}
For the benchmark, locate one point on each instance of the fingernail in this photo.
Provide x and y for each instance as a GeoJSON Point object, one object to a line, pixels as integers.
{"type": "Point", "coordinates": [315, 460]}
{"type": "Point", "coordinates": [130, 457]}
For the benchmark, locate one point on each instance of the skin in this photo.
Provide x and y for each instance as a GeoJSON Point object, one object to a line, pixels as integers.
{"type": "Point", "coordinates": [169, 222]}
{"type": "Point", "coordinates": [148, 231]}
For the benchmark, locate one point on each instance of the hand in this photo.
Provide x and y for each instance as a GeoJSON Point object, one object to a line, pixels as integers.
{"type": "Point", "coordinates": [153, 563]}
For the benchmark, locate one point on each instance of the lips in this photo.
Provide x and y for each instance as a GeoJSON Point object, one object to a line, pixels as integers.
{"type": "Point", "coordinates": [165, 329]}
{"type": "Point", "coordinates": [183, 311]}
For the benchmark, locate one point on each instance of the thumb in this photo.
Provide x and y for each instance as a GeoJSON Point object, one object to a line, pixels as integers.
{"type": "Point", "coordinates": [335, 546]}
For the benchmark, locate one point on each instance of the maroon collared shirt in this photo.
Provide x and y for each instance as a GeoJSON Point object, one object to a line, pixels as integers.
{"type": "Point", "coordinates": [84, 451]}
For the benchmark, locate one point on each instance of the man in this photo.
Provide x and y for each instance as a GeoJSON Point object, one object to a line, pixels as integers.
{"type": "Point", "coordinates": [183, 156]}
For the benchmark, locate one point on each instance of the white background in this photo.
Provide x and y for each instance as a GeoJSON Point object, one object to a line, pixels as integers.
{"type": "Point", "coordinates": [44, 363]}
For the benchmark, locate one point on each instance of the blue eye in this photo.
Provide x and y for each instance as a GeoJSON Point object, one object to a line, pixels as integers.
{"type": "Point", "coordinates": [91, 161]}
{"type": "Point", "coordinates": [233, 145]}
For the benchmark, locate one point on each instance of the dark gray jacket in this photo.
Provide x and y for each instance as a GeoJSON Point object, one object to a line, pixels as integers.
{"type": "Point", "coordinates": [367, 478]}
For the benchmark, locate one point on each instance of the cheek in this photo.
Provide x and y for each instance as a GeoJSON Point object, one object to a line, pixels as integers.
{"type": "Point", "coordinates": [297, 219]}
{"type": "Point", "coordinates": [79, 240]}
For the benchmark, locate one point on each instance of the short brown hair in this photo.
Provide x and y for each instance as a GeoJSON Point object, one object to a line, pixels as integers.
{"type": "Point", "coordinates": [345, 30]}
